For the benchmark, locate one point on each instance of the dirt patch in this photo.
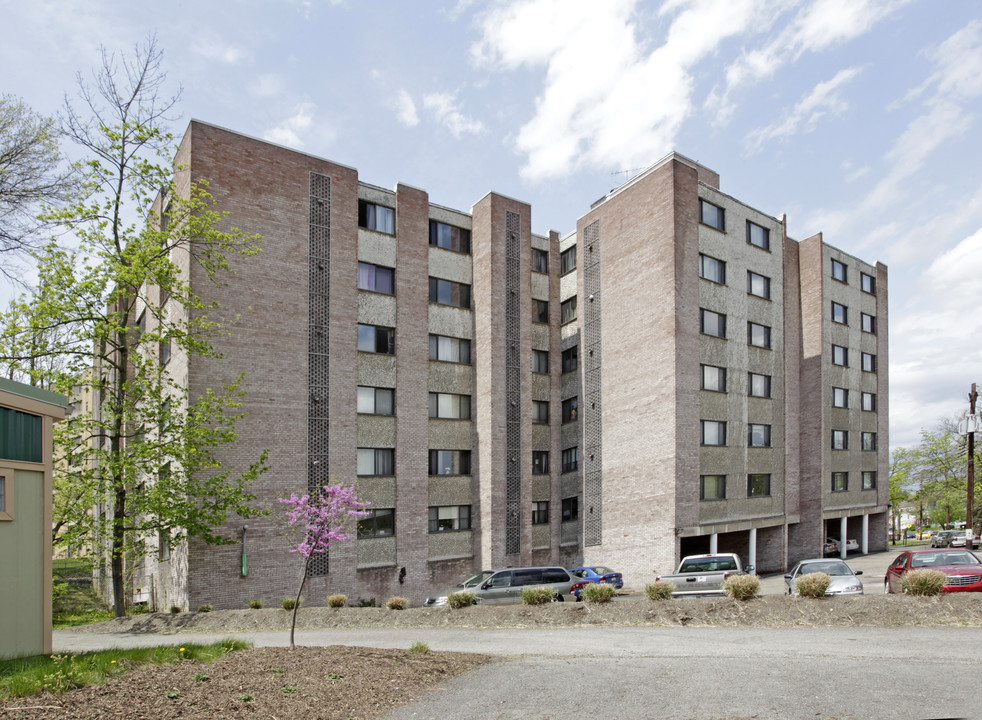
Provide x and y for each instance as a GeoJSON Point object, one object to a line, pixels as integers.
{"type": "Point", "coordinates": [327, 683]}
{"type": "Point", "coordinates": [767, 611]}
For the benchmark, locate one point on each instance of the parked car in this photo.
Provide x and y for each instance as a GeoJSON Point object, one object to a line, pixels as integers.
{"type": "Point", "coordinates": [506, 585]}
{"type": "Point", "coordinates": [844, 580]}
{"type": "Point", "coordinates": [704, 574]}
{"type": "Point", "coordinates": [940, 538]}
{"type": "Point", "coordinates": [963, 568]}
{"type": "Point", "coordinates": [595, 574]}
{"type": "Point", "coordinates": [831, 547]}
{"type": "Point", "coordinates": [851, 545]}
{"type": "Point", "coordinates": [962, 538]}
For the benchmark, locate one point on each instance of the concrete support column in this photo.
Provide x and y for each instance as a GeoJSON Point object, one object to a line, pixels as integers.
{"type": "Point", "coordinates": [752, 550]}
{"type": "Point", "coordinates": [712, 543]}
{"type": "Point", "coordinates": [843, 522]}
{"type": "Point", "coordinates": [864, 546]}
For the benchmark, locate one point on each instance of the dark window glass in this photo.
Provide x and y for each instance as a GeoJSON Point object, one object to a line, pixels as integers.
{"type": "Point", "coordinates": [449, 349]}
{"type": "Point", "coordinates": [712, 323]}
{"type": "Point", "coordinates": [450, 406]}
{"type": "Point", "coordinates": [378, 523]}
{"type": "Point", "coordinates": [758, 435]}
{"type": "Point", "coordinates": [758, 485]}
{"type": "Point", "coordinates": [570, 408]}
{"type": "Point", "coordinates": [712, 269]}
{"type": "Point", "coordinates": [449, 518]}
{"type": "Point", "coordinates": [713, 432]}
{"type": "Point", "coordinates": [540, 412]}
{"type": "Point", "coordinates": [713, 378]}
{"type": "Point", "coordinates": [712, 215]}
{"type": "Point", "coordinates": [571, 459]}
{"type": "Point", "coordinates": [840, 271]}
{"type": "Point", "coordinates": [759, 236]}
{"type": "Point", "coordinates": [447, 292]}
{"type": "Point", "coordinates": [376, 461]}
{"type": "Point", "coordinates": [540, 361]}
{"type": "Point", "coordinates": [758, 385]}
{"type": "Point", "coordinates": [567, 260]}
{"type": "Point", "coordinates": [540, 516]}
{"type": "Point", "coordinates": [840, 313]}
{"type": "Point", "coordinates": [758, 285]}
{"type": "Point", "coordinates": [867, 323]}
{"type": "Point", "coordinates": [570, 359]}
{"type": "Point", "coordinates": [869, 362]}
{"type": "Point", "coordinates": [712, 487]}
{"type": "Point", "coordinates": [869, 479]}
{"type": "Point", "coordinates": [868, 283]}
{"type": "Point", "coordinates": [540, 462]}
{"type": "Point", "coordinates": [540, 260]}
{"type": "Point", "coordinates": [540, 311]}
{"type": "Point", "coordinates": [758, 335]}
{"type": "Point", "coordinates": [840, 481]}
{"type": "Point", "coordinates": [450, 462]}
{"type": "Point", "coordinates": [450, 237]}
{"type": "Point", "coordinates": [571, 509]}
{"type": "Point", "coordinates": [20, 436]}
{"type": "Point", "coordinates": [840, 356]}
{"type": "Point", "coordinates": [840, 397]}
{"type": "Point", "coordinates": [376, 217]}
{"type": "Point", "coordinates": [375, 339]}
{"type": "Point", "coordinates": [376, 278]}
{"type": "Point", "coordinates": [567, 311]}
{"type": "Point", "coordinates": [840, 439]}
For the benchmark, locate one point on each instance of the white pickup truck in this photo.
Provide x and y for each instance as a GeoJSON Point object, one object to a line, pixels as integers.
{"type": "Point", "coordinates": [704, 574]}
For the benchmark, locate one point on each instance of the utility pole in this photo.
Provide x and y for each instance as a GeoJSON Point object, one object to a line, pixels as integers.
{"type": "Point", "coordinates": [969, 518]}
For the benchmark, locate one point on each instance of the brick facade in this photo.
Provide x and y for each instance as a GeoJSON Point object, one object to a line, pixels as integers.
{"type": "Point", "coordinates": [292, 316]}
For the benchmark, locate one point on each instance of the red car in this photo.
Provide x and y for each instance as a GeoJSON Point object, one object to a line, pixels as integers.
{"type": "Point", "coordinates": [963, 569]}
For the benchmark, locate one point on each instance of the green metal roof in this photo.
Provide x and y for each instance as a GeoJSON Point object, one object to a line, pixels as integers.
{"type": "Point", "coordinates": [45, 396]}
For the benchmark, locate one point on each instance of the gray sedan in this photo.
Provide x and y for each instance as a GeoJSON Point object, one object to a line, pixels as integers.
{"type": "Point", "coordinates": [844, 580]}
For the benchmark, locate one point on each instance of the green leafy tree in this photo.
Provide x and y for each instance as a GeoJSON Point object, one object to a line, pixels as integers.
{"type": "Point", "coordinates": [118, 310]}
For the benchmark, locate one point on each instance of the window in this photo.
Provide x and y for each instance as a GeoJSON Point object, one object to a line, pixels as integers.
{"type": "Point", "coordinates": [164, 352]}
{"type": "Point", "coordinates": [840, 313]}
{"type": "Point", "coordinates": [869, 402]}
{"type": "Point", "coordinates": [840, 356]}
{"type": "Point", "coordinates": [869, 440]}
{"type": "Point", "coordinates": [447, 292]}
{"type": "Point", "coordinates": [758, 485]}
{"type": "Point", "coordinates": [450, 462]}
{"type": "Point", "coordinates": [712, 487]}
{"type": "Point", "coordinates": [713, 432]}
{"type": "Point", "coordinates": [713, 378]}
{"type": "Point", "coordinates": [567, 311]}
{"type": "Point", "coordinates": [759, 236]}
{"type": "Point", "coordinates": [840, 439]}
{"type": "Point", "coordinates": [21, 436]}
{"type": "Point", "coordinates": [141, 325]}
{"type": "Point", "coordinates": [869, 362]}
{"type": "Point", "coordinates": [449, 237]}
{"type": "Point", "coordinates": [869, 479]}
{"type": "Point", "coordinates": [540, 361]}
{"type": "Point", "coordinates": [567, 260]}
{"type": "Point", "coordinates": [570, 408]}
{"type": "Point", "coordinates": [375, 339]}
{"type": "Point", "coordinates": [712, 323]}
{"type": "Point", "coordinates": [571, 358]}
{"type": "Point", "coordinates": [376, 217]}
{"type": "Point", "coordinates": [376, 278]}
{"type": "Point", "coordinates": [840, 397]}
{"type": "Point", "coordinates": [163, 545]}
{"type": "Point", "coordinates": [840, 481]}
{"type": "Point", "coordinates": [571, 459]}
{"type": "Point", "coordinates": [540, 311]}
{"type": "Point", "coordinates": [540, 513]}
{"type": "Point", "coordinates": [540, 412]}
{"type": "Point", "coordinates": [376, 461]}
{"type": "Point", "coordinates": [867, 323]}
{"type": "Point", "coordinates": [376, 401]}
{"type": "Point", "coordinates": [839, 271]}
{"type": "Point", "coordinates": [758, 335]}
{"type": "Point", "coordinates": [758, 285]}
{"type": "Point", "coordinates": [712, 269]}
{"type": "Point", "coordinates": [571, 509]}
{"type": "Point", "coordinates": [449, 518]}
{"type": "Point", "coordinates": [867, 283]}
{"type": "Point", "coordinates": [449, 349]}
{"type": "Point", "coordinates": [378, 523]}
{"type": "Point", "coordinates": [758, 385]}
{"type": "Point", "coordinates": [712, 215]}
{"type": "Point", "coordinates": [540, 260]}
{"type": "Point", "coordinates": [6, 495]}
{"type": "Point", "coordinates": [540, 462]}
{"type": "Point", "coordinates": [758, 435]}
{"type": "Point", "coordinates": [452, 407]}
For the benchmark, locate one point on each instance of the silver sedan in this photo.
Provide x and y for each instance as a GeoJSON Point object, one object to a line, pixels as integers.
{"type": "Point", "coordinates": [844, 580]}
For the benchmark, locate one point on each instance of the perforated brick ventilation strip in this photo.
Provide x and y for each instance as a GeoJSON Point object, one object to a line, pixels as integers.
{"type": "Point", "coordinates": [590, 404]}
{"type": "Point", "coordinates": [318, 345]}
{"type": "Point", "coordinates": [513, 384]}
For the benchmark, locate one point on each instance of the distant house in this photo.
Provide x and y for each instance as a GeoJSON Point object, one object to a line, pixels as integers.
{"type": "Point", "coordinates": [26, 418]}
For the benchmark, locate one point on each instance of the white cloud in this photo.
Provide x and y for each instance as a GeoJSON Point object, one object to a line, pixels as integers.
{"type": "Point", "coordinates": [406, 109]}
{"type": "Point", "coordinates": [454, 13]}
{"type": "Point", "coordinates": [823, 99]}
{"type": "Point", "coordinates": [818, 26]}
{"type": "Point", "coordinates": [608, 100]}
{"type": "Point", "coordinates": [446, 110]}
{"type": "Point", "coordinates": [212, 48]}
{"type": "Point", "coordinates": [936, 354]}
{"type": "Point", "coordinates": [266, 85]}
{"type": "Point", "coordinates": [290, 131]}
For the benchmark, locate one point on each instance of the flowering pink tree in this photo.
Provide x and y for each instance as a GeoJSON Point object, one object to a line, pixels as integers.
{"type": "Point", "coordinates": [320, 520]}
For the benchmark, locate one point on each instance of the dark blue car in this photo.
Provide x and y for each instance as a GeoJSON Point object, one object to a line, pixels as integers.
{"type": "Point", "coordinates": [595, 574]}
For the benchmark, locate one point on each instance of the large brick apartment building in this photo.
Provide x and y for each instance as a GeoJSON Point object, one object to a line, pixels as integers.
{"type": "Point", "coordinates": [677, 376]}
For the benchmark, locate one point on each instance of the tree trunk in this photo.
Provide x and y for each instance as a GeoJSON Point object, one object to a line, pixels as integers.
{"type": "Point", "coordinates": [296, 605]}
{"type": "Point", "coordinates": [116, 557]}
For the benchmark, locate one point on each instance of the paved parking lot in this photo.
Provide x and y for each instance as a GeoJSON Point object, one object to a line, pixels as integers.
{"type": "Point", "coordinates": [873, 565]}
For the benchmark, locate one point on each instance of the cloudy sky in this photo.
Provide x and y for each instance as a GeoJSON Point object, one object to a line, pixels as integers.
{"type": "Point", "coordinates": [857, 118]}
